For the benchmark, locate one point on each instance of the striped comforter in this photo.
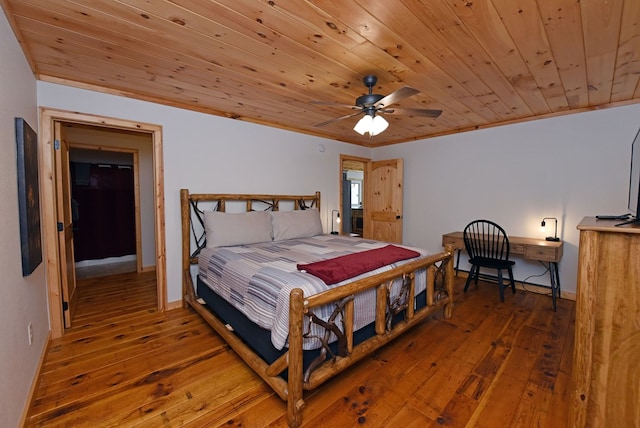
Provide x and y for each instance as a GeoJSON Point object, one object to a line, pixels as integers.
{"type": "Point", "coordinates": [257, 279]}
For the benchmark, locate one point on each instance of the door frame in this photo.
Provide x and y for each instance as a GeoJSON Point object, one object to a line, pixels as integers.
{"type": "Point", "coordinates": [48, 117]}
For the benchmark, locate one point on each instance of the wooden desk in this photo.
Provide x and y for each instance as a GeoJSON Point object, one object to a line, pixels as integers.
{"type": "Point", "coordinates": [546, 252]}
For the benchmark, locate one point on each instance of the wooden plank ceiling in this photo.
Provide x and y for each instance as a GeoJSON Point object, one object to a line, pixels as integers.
{"type": "Point", "coordinates": [483, 62]}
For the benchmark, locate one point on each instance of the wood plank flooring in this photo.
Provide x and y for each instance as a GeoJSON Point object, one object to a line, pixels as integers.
{"type": "Point", "coordinates": [124, 364]}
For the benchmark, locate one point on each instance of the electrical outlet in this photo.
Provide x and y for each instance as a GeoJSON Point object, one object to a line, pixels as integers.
{"type": "Point", "coordinates": [30, 333]}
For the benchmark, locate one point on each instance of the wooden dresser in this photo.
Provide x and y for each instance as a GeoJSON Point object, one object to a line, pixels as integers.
{"type": "Point", "coordinates": [606, 360]}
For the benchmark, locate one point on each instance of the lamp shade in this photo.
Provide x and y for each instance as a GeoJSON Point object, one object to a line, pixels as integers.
{"type": "Point", "coordinates": [378, 125]}
{"type": "Point", "coordinates": [363, 125]}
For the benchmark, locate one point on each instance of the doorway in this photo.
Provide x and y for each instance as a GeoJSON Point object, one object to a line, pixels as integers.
{"type": "Point", "coordinates": [352, 194]}
{"type": "Point", "coordinates": [111, 178]}
{"type": "Point", "coordinates": [104, 203]}
{"type": "Point", "coordinates": [51, 120]}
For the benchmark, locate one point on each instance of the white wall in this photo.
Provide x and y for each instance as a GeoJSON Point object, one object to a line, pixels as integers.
{"type": "Point", "coordinates": [217, 155]}
{"type": "Point", "coordinates": [24, 299]}
{"type": "Point", "coordinates": [566, 167]}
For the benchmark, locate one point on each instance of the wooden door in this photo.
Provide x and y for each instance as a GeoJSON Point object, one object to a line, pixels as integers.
{"type": "Point", "coordinates": [65, 225]}
{"type": "Point", "coordinates": [383, 200]}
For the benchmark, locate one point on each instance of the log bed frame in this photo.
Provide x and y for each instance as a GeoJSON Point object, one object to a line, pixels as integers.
{"type": "Point", "coordinates": [439, 270]}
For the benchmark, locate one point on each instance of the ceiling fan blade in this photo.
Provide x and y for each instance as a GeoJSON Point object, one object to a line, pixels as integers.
{"type": "Point", "coordinates": [396, 96]}
{"type": "Point", "coordinates": [338, 118]}
{"type": "Point", "coordinates": [413, 112]}
{"type": "Point", "coordinates": [329, 103]}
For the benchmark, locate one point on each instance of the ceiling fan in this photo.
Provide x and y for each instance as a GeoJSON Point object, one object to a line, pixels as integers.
{"type": "Point", "coordinates": [370, 104]}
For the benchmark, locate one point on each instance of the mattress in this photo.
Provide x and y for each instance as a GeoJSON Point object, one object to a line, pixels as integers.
{"type": "Point", "coordinates": [256, 279]}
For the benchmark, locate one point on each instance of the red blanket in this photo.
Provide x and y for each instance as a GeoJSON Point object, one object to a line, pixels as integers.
{"type": "Point", "coordinates": [338, 269]}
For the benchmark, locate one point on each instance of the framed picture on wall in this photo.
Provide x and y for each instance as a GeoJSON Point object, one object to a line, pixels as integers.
{"type": "Point", "coordinates": [28, 196]}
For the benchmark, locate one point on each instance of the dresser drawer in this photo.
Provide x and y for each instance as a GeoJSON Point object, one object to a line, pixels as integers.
{"type": "Point", "coordinates": [517, 249]}
{"type": "Point", "coordinates": [547, 254]}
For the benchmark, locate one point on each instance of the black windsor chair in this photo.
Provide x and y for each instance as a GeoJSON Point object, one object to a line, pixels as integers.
{"type": "Point", "coordinates": [488, 247]}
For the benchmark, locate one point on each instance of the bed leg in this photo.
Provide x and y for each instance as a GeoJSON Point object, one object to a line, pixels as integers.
{"type": "Point", "coordinates": [449, 271]}
{"type": "Point", "coordinates": [185, 214]}
{"type": "Point", "coordinates": [295, 403]}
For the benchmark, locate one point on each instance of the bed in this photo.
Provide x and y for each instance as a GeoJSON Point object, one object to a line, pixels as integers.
{"type": "Point", "coordinates": [297, 305]}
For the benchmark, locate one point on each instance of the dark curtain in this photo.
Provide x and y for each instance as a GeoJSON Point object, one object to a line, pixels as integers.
{"type": "Point", "coordinates": [103, 211]}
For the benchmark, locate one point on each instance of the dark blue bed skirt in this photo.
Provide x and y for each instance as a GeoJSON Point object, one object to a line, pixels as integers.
{"type": "Point", "coordinates": [259, 339]}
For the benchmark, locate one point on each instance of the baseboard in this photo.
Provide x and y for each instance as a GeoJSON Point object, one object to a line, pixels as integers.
{"type": "Point", "coordinates": [174, 305]}
{"type": "Point", "coordinates": [34, 382]}
{"type": "Point", "coordinates": [524, 286]}
{"type": "Point", "coordinates": [148, 269]}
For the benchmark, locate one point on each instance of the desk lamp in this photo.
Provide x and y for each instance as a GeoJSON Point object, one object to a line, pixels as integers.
{"type": "Point", "coordinates": [543, 225]}
{"type": "Point", "coordinates": [334, 232]}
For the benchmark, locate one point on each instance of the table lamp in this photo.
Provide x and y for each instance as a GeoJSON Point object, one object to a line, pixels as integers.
{"type": "Point", "coordinates": [543, 225]}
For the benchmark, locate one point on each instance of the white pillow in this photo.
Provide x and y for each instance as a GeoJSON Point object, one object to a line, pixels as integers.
{"type": "Point", "coordinates": [227, 229]}
{"type": "Point", "coordinates": [295, 224]}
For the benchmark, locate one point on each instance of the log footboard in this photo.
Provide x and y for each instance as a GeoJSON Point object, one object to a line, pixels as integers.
{"type": "Point", "coordinates": [301, 306]}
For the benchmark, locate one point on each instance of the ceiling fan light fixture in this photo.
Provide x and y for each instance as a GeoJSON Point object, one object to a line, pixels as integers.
{"type": "Point", "coordinates": [370, 104]}
{"type": "Point", "coordinates": [374, 125]}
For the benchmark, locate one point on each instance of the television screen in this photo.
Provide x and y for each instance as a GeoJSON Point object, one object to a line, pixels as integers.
{"type": "Point", "coordinates": [634, 178]}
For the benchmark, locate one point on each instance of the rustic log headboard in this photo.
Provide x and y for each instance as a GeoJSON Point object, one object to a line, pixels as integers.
{"type": "Point", "coordinates": [194, 204]}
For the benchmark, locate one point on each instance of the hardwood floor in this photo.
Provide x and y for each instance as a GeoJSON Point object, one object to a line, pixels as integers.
{"type": "Point", "coordinates": [492, 365]}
